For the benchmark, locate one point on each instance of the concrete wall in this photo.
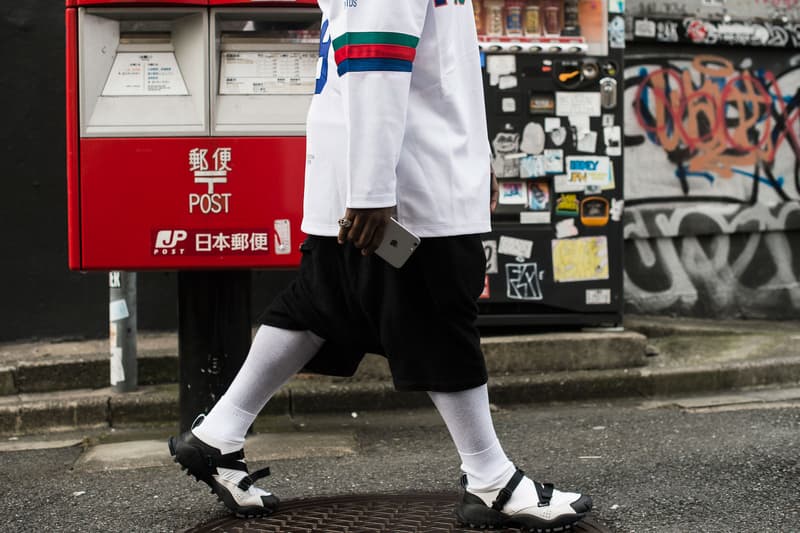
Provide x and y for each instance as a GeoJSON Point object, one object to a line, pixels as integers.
{"type": "Point", "coordinates": [711, 227]}
{"type": "Point", "coordinates": [712, 207]}
{"type": "Point", "coordinates": [716, 9]}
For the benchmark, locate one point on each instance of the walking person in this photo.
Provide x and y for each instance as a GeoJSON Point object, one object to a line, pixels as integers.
{"type": "Point", "coordinates": [396, 128]}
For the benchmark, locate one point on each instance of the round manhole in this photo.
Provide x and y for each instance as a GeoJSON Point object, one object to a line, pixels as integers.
{"type": "Point", "coordinates": [401, 513]}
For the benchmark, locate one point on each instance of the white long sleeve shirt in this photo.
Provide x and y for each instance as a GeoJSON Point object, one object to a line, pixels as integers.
{"type": "Point", "coordinates": [398, 117]}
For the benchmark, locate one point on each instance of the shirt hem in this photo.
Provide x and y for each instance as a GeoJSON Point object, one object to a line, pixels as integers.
{"type": "Point", "coordinates": [374, 202]}
{"type": "Point", "coordinates": [332, 230]}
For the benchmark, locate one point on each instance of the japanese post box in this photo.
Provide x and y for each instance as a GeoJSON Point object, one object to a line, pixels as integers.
{"type": "Point", "coordinates": [186, 132]}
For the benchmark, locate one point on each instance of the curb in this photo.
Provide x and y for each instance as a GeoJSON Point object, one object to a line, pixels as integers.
{"type": "Point", "coordinates": [85, 372]}
{"type": "Point", "coordinates": [523, 353]}
{"type": "Point", "coordinates": [159, 404]}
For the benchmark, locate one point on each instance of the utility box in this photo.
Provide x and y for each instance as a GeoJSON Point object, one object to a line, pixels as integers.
{"type": "Point", "coordinates": [186, 132]}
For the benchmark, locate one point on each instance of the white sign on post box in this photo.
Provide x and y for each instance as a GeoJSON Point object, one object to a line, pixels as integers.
{"type": "Point", "coordinates": [143, 74]}
{"type": "Point", "coordinates": [268, 72]}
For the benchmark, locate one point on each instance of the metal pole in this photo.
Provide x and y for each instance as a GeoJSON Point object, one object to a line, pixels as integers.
{"type": "Point", "coordinates": [122, 331]}
{"type": "Point", "coordinates": [214, 335]}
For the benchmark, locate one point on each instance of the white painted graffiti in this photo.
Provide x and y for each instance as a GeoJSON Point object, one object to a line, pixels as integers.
{"type": "Point", "coordinates": [523, 281]}
{"type": "Point", "coordinates": [738, 268]}
{"type": "Point", "coordinates": [667, 31]}
{"type": "Point", "coordinates": [755, 34]}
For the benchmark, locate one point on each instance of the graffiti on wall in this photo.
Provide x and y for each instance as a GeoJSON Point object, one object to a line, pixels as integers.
{"type": "Point", "coordinates": [738, 269]}
{"type": "Point", "coordinates": [708, 32]}
{"type": "Point", "coordinates": [713, 128]}
{"type": "Point", "coordinates": [713, 183]}
{"type": "Point", "coordinates": [745, 10]}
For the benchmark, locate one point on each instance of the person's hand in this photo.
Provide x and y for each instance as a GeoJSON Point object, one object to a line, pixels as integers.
{"type": "Point", "coordinates": [495, 193]}
{"type": "Point", "coordinates": [364, 227]}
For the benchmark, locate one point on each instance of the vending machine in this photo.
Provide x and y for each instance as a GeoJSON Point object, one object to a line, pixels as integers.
{"type": "Point", "coordinates": [553, 79]}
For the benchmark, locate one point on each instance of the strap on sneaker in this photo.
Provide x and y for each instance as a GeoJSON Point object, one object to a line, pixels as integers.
{"type": "Point", "coordinates": [505, 492]}
{"type": "Point", "coordinates": [233, 460]}
{"type": "Point", "coordinates": [545, 493]}
{"type": "Point", "coordinates": [248, 480]}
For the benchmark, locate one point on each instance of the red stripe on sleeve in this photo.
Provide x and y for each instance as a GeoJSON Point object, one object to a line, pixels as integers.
{"type": "Point", "coordinates": [375, 51]}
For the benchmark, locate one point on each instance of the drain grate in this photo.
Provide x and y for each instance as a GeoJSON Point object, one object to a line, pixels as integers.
{"type": "Point", "coordinates": [400, 513]}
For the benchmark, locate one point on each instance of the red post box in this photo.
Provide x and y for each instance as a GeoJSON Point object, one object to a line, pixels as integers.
{"type": "Point", "coordinates": [186, 151]}
{"type": "Point", "coordinates": [186, 124]}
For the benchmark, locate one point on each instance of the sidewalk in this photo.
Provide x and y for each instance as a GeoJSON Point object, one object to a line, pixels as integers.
{"type": "Point", "coordinates": [63, 385]}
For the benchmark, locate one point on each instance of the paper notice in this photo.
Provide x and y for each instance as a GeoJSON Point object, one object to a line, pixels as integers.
{"type": "Point", "coordinates": [532, 166]}
{"type": "Point", "coordinates": [553, 161]}
{"type": "Point", "coordinates": [598, 296]}
{"type": "Point", "coordinates": [534, 217]}
{"type": "Point", "coordinates": [282, 236]}
{"type": "Point", "coordinates": [490, 249]}
{"type": "Point", "coordinates": [507, 82]}
{"type": "Point", "coordinates": [515, 247]}
{"type": "Point", "coordinates": [588, 142]}
{"type": "Point", "coordinates": [578, 103]}
{"type": "Point", "coordinates": [117, 370]}
{"type": "Point", "coordinates": [581, 125]}
{"type": "Point", "coordinates": [513, 193]}
{"type": "Point", "coordinates": [590, 170]}
{"type": "Point", "coordinates": [566, 228]}
{"type": "Point", "coordinates": [113, 334]}
{"type": "Point", "coordinates": [581, 259]}
{"type": "Point", "coordinates": [145, 74]}
{"type": "Point", "coordinates": [644, 28]}
{"type": "Point", "coordinates": [617, 208]}
{"type": "Point", "coordinates": [117, 310]}
{"type": "Point", "coordinates": [613, 138]}
{"type": "Point", "coordinates": [268, 72]}
{"type": "Point", "coordinates": [551, 124]}
{"type": "Point", "coordinates": [564, 183]}
{"type": "Point", "coordinates": [500, 65]}
{"type": "Point", "coordinates": [509, 105]}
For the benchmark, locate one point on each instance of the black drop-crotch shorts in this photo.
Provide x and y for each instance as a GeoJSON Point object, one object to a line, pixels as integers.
{"type": "Point", "coordinates": [421, 316]}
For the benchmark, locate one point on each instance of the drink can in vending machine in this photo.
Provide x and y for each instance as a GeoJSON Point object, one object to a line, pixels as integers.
{"type": "Point", "coordinates": [533, 19]}
{"type": "Point", "coordinates": [553, 16]}
{"type": "Point", "coordinates": [477, 8]}
{"type": "Point", "coordinates": [514, 17]}
{"type": "Point", "coordinates": [494, 17]}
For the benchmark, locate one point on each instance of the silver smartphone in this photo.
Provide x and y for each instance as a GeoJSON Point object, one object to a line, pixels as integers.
{"type": "Point", "coordinates": [398, 244]}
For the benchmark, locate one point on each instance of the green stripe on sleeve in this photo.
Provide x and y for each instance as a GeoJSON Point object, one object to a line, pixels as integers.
{"type": "Point", "coordinates": [375, 37]}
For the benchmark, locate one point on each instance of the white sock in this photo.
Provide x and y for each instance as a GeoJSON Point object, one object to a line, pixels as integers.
{"type": "Point", "coordinates": [275, 356]}
{"type": "Point", "coordinates": [467, 416]}
{"type": "Point", "coordinates": [469, 420]}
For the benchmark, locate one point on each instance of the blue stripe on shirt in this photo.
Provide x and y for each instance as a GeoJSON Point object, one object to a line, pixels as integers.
{"type": "Point", "coordinates": [370, 64]}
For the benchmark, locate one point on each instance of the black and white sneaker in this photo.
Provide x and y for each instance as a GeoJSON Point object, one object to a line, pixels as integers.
{"type": "Point", "coordinates": [226, 474]}
{"type": "Point", "coordinates": [555, 510]}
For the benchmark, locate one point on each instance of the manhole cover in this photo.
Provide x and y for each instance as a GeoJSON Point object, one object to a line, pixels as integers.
{"type": "Point", "coordinates": [403, 513]}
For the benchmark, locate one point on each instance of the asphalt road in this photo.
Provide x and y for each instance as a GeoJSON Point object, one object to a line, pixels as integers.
{"type": "Point", "coordinates": [649, 468]}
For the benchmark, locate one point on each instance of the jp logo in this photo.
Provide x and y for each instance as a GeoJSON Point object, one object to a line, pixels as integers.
{"type": "Point", "coordinates": [324, 48]}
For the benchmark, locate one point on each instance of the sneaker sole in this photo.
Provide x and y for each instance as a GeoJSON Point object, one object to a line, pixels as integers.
{"type": "Point", "coordinates": [192, 462]}
{"type": "Point", "coordinates": [481, 517]}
